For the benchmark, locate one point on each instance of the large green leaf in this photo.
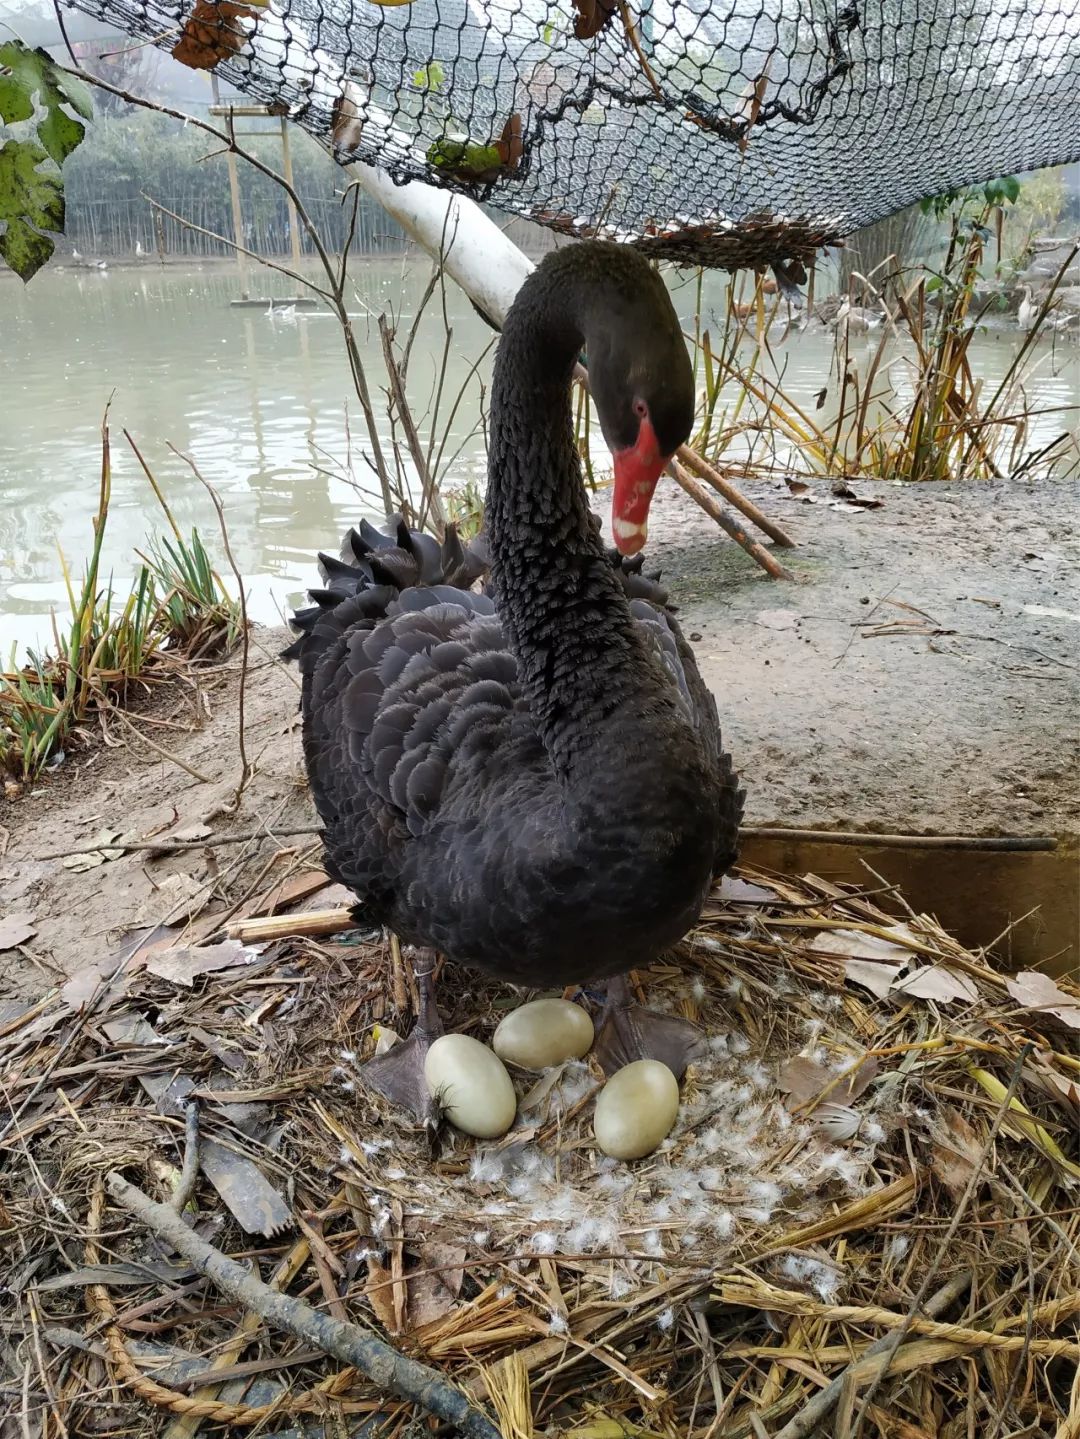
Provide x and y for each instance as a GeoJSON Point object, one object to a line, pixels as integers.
{"type": "Point", "coordinates": [32, 199]}
{"type": "Point", "coordinates": [29, 197]}
{"type": "Point", "coordinates": [35, 75]}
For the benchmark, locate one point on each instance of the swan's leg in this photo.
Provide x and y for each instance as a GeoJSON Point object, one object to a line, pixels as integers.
{"type": "Point", "coordinates": [629, 1032]}
{"type": "Point", "coordinates": [398, 1075]}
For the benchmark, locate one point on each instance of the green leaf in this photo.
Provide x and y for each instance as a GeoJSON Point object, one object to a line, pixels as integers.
{"type": "Point", "coordinates": [15, 103]}
{"type": "Point", "coordinates": [464, 159]}
{"type": "Point", "coordinates": [34, 75]}
{"type": "Point", "coordinates": [430, 76]}
{"type": "Point", "coordinates": [29, 197]}
{"type": "Point", "coordinates": [32, 200]}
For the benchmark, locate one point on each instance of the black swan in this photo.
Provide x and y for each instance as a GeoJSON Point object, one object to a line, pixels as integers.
{"type": "Point", "coordinates": [529, 780]}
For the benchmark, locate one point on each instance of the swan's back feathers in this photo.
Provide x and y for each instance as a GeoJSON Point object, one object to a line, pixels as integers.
{"type": "Point", "coordinates": [421, 751]}
{"type": "Point", "coordinates": [371, 559]}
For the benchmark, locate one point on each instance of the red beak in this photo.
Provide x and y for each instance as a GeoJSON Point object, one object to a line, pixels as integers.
{"type": "Point", "coordinates": [637, 470]}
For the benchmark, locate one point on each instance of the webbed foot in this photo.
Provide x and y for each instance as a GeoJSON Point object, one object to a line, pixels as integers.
{"type": "Point", "coordinates": [629, 1032]}
{"type": "Point", "coordinates": [398, 1075]}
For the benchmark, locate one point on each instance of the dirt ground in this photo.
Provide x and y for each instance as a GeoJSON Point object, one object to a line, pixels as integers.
{"type": "Point", "coordinates": [920, 675]}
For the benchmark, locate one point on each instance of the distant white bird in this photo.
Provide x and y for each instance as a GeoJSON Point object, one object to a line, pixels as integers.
{"type": "Point", "coordinates": [1027, 310]}
{"type": "Point", "coordinates": [856, 319]}
{"type": "Point", "coordinates": [75, 254]}
{"type": "Point", "coordinates": [139, 251]}
{"type": "Point", "coordinates": [285, 313]}
{"type": "Point", "coordinates": [102, 265]}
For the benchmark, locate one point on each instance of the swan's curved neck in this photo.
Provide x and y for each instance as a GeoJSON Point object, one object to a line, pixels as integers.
{"type": "Point", "coordinates": [566, 617]}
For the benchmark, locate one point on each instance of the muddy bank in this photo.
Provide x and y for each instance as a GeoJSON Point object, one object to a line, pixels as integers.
{"type": "Point", "coordinates": [920, 675]}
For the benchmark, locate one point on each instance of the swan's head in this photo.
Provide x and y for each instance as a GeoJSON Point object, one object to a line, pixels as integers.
{"type": "Point", "coordinates": [643, 385]}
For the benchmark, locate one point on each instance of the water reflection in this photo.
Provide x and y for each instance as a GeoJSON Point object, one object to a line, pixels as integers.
{"type": "Point", "coordinates": [266, 409]}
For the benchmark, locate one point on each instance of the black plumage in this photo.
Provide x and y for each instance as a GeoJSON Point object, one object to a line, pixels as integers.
{"type": "Point", "coordinates": [526, 777]}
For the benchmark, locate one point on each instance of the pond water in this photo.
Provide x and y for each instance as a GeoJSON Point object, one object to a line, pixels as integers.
{"type": "Point", "coordinates": [265, 408]}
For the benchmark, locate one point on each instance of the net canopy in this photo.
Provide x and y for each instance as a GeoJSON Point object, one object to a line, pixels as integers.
{"type": "Point", "coordinates": [726, 132]}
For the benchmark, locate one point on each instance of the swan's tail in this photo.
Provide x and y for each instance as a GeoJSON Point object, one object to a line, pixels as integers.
{"type": "Point", "coordinates": [371, 560]}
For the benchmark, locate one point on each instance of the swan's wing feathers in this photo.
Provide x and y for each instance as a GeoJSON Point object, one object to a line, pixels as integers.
{"type": "Point", "coordinates": [656, 630]}
{"type": "Point", "coordinates": [660, 630]}
{"type": "Point", "coordinates": [402, 713]}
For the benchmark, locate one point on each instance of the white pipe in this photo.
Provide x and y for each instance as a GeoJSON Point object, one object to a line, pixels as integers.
{"type": "Point", "coordinates": [454, 230]}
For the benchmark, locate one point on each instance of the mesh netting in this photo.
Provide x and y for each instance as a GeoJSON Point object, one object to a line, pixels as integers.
{"type": "Point", "coordinates": [730, 132]}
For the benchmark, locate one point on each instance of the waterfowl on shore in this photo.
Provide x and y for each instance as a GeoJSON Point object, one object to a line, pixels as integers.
{"type": "Point", "coordinates": [1027, 309]}
{"type": "Point", "coordinates": [529, 780]}
{"type": "Point", "coordinates": [857, 319]}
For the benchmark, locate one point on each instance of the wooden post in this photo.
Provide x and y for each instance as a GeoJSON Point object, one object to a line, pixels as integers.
{"type": "Point", "coordinates": [234, 195]}
{"type": "Point", "coordinates": [286, 165]}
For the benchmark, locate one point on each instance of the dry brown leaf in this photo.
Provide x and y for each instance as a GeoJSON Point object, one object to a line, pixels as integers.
{"type": "Point", "coordinates": [798, 488]}
{"type": "Point", "coordinates": [177, 897]}
{"type": "Point", "coordinates": [433, 1295]}
{"type": "Point", "coordinates": [750, 103]}
{"type": "Point", "coordinates": [1034, 990]}
{"type": "Point", "coordinates": [213, 31]}
{"type": "Point", "coordinates": [805, 1080]}
{"type": "Point", "coordinates": [855, 1082]}
{"type": "Point", "coordinates": [741, 891]}
{"type": "Point", "coordinates": [1065, 1090]}
{"type": "Point", "coordinates": [83, 985]}
{"type": "Point", "coordinates": [938, 983]}
{"type": "Point", "coordinates": [91, 858]}
{"type": "Point", "coordinates": [80, 863]}
{"type": "Point", "coordinates": [843, 491]}
{"type": "Point", "coordinates": [132, 1029]}
{"type": "Point", "coordinates": [865, 958]}
{"type": "Point", "coordinates": [286, 893]}
{"type": "Point", "coordinates": [777, 619]}
{"type": "Point", "coordinates": [869, 974]}
{"type": "Point", "coordinates": [332, 896]}
{"type": "Point", "coordinates": [541, 1089]}
{"type": "Point", "coordinates": [511, 144]}
{"type": "Point", "coordinates": [347, 124]}
{"type": "Point", "coordinates": [182, 964]}
{"type": "Point", "coordinates": [954, 1151]}
{"type": "Point", "coordinates": [380, 1293]}
{"type": "Point", "coordinates": [856, 946]}
{"type": "Point", "coordinates": [253, 1201]}
{"type": "Point", "coordinates": [592, 16]}
{"type": "Point", "coordinates": [16, 929]}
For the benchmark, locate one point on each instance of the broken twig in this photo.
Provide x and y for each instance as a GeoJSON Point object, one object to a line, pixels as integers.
{"type": "Point", "coordinates": [383, 1365]}
{"type": "Point", "coordinates": [177, 846]}
{"type": "Point", "coordinates": [185, 1185]}
{"type": "Point", "coordinates": [315, 922]}
{"type": "Point", "coordinates": [821, 1405]}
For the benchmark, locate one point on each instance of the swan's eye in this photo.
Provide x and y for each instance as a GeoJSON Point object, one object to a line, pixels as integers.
{"type": "Point", "coordinates": [641, 409]}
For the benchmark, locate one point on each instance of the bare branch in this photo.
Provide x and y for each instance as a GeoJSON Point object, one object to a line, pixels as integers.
{"type": "Point", "coordinates": [383, 1365]}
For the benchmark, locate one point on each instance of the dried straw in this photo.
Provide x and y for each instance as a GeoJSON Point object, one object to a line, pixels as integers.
{"type": "Point", "coordinates": [863, 1223]}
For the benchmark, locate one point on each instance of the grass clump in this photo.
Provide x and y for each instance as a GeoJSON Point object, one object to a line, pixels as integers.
{"type": "Point", "coordinates": [903, 399]}
{"type": "Point", "coordinates": [176, 610]}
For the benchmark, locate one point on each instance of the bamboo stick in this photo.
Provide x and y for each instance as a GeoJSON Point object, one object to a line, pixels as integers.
{"type": "Point", "coordinates": [287, 926]}
{"type": "Point", "coordinates": [702, 468]}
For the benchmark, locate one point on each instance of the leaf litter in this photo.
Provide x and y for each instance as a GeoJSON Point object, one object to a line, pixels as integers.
{"type": "Point", "coordinates": [827, 1128]}
{"type": "Point", "coordinates": [16, 929]}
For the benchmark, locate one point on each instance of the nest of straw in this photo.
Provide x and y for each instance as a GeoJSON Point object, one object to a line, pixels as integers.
{"type": "Point", "coordinates": [864, 1221]}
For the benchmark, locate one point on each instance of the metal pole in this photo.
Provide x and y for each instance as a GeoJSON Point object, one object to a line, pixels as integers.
{"type": "Point", "coordinates": [286, 165]}
{"type": "Point", "coordinates": [234, 195]}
